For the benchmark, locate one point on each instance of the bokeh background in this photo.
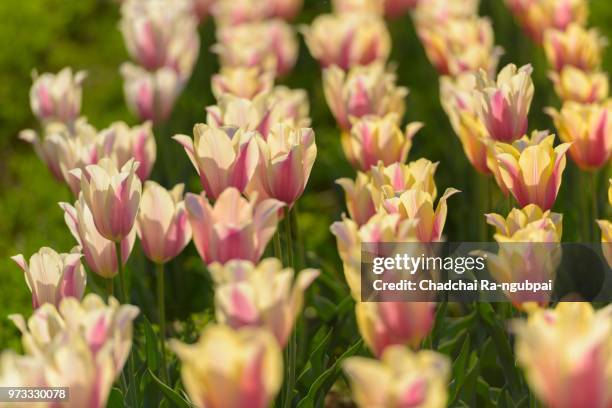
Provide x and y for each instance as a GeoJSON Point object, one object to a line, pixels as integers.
{"type": "Point", "coordinates": [47, 35]}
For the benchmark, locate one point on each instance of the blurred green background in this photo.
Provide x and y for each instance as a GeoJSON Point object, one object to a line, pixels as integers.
{"type": "Point", "coordinates": [50, 34]}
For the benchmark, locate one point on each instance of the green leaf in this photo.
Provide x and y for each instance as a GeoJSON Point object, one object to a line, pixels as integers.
{"type": "Point", "coordinates": [151, 343]}
{"type": "Point", "coordinates": [317, 360]}
{"type": "Point", "coordinates": [171, 394]}
{"type": "Point", "coordinates": [115, 398]}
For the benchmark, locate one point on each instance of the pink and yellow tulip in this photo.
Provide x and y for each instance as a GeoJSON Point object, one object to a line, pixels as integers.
{"type": "Point", "coordinates": [247, 114]}
{"type": "Point", "coordinates": [57, 97]}
{"type": "Point", "coordinates": [573, 84]}
{"type": "Point", "coordinates": [396, 178]}
{"type": "Point", "coordinates": [575, 46]}
{"type": "Point", "coordinates": [242, 82]}
{"type": "Point", "coordinates": [360, 196]}
{"type": "Point", "coordinates": [123, 143]}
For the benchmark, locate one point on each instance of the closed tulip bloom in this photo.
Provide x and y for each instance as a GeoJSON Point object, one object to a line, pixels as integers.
{"type": "Point", "coordinates": [123, 143]}
{"type": "Point", "coordinates": [566, 353]}
{"type": "Point", "coordinates": [113, 196]}
{"type": "Point", "coordinates": [277, 49]}
{"type": "Point", "coordinates": [357, 6]}
{"type": "Point", "coordinates": [457, 99]}
{"type": "Point", "coordinates": [360, 197]}
{"type": "Point", "coordinates": [538, 16]}
{"type": "Point", "coordinates": [150, 95]}
{"type": "Point", "coordinates": [287, 157]}
{"type": "Point", "coordinates": [242, 82]}
{"type": "Point", "coordinates": [238, 12]}
{"type": "Point", "coordinates": [223, 157]}
{"type": "Point", "coordinates": [384, 324]}
{"type": "Point", "coordinates": [503, 105]}
{"type": "Point", "coordinates": [518, 219]}
{"type": "Point", "coordinates": [531, 168]}
{"type": "Point", "coordinates": [442, 11]}
{"type": "Point", "coordinates": [573, 84]}
{"type": "Point", "coordinates": [373, 139]}
{"type": "Point", "coordinates": [396, 178]}
{"type": "Point", "coordinates": [574, 46]}
{"type": "Point", "coordinates": [589, 130]}
{"type": "Point", "coordinates": [229, 368]}
{"type": "Point", "coordinates": [57, 97]}
{"type": "Point", "coordinates": [98, 251]}
{"type": "Point", "coordinates": [348, 40]}
{"type": "Point", "coordinates": [263, 295]}
{"type": "Point", "coordinates": [418, 205]}
{"type": "Point", "coordinates": [51, 276]}
{"type": "Point", "coordinates": [401, 378]}
{"type": "Point", "coordinates": [459, 45]}
{"type": "Point", "coordinates": [367, 90]}
{"type": "Point", "coordinates": [234, 228]}
{"type": "Point", "coordinates": [246, 114]}
{"type": "Point", "coordinates": [162, 224]}
{"type": "Point", "coordinates": [289, 106]}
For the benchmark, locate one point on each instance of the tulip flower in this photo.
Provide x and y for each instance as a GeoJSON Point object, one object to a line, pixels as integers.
{"type": "Point", "coordinates": [357, 6]}
{"type": "Point", "coordinates": [457, 99]}
{"type": "Point", "coordinates": [566, 353]}
{"type": "Point", "coordinates": [519, 219]}
{"type": "Point", "coordinates": [161, 34]}
{"type": "Point", "coordinates": [202, 8]}
{"type": "Point", "coordinates": [289, 106]}
{"type": "Point", "coordinates": [287, 156]}
{"type": "Point", "coordinates": [373, 139]}
{"type": "Point", "coordinates": [285, 9]}
{"type": "Point", "coordinates": [51, 276]}
{"type": "Point", "coordinates": [397, 8]}
{"type": "Point", "coordinates": [348, 40]}
{"type": "Point", "coordinates": [248, 375]}
{"type": "Point", "coordinates": [150, 95]}
{"type": "Point", "coordinates": [161, 222]}
{"type": "Point", "coordinates": [98, 251]}
{"type": "Point", "coordinates": [57, 97]}
{"type": "Point", "coordinates": [238, 12]}
{"type": "Point", "coordinates": [242, 82]}
{"type": "Point", "coordinates": [531, 169]}
{"type": "Point", "coordinates": [573, 84]}
{"type": "Point", "coordinates": [263, 295]}
{"type": "Point", "coordinates": [396, 178]}
{"type": "Point", "coordinates": [223, 157]}
{"type": "Point", "coordinates": [112, 195]}
{"type": "Point", "coordinates": [401, 378]}
{"type": "Point", "coordinates": [379, 228]}
{"type": "Point", "coordinates": [574, 46]}
{"type": "Point", "coordinates": [589, 130]}
{"type": "Point", "coordinates": [606, 239]}
{"type": "Point", "coordinates": [368, 90]}
{"type": "Point", "coordinates": [21, 371]}
{"type": "Point", "coordinates": [123, 143]}
{"type": "Point", "coordinates": [384, 324]}
{"type": "Point", "coordinates": [459, 45]}
{"type": "Point", "coordinates": [360, 197]}
{"type": "Point", "coordinates": [276, 48]}
{"type": "Point", "coordinates": [536, 17]}
{"type": "Point", "coordinates": [503, 105]}
{"type": "Point", "coordinates": [233, 228]}
{"type": "Point", "coordinates": [443, 11]}
{"type": "Point", "coordinates": [418, 205]}
{"type": "Point", "coordinates": [245, 114]}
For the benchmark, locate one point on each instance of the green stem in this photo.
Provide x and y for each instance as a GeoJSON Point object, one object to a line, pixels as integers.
{"type": "Point", "coordinates": [288, 237]}
{"type": "Point", "coordinates": [594, 210]}
{"type": "Point", "coordinates": [278, 252]}
{"type": "Point", "coordinates": [295, 227]}
{"type": "Point", "coordinates": [291, 351]}
{"type": "Point", "coordinates": [110, 287]}
{"type": "Point", "coordinates": [161, 303]}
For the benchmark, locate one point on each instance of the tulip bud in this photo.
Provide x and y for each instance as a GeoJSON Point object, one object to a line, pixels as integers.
{"type": "Point", "coordinates": [162, 223]}
{"type": "Point", "coordinates": [289, 106]}
{"type": "Point", "coordinates": [519, 219]}
{"type": "Point", "coordinates": [374, 139]}
{"type": "Point", "coordinates": [401, 378]}
{"type": "Point", "coordinates": [574, 46]}
{"type": "Point", "coordinates": [263, 295]}
{"type": "Point", "coordinates": [503, 105]}
{"type": "Point", "coordinates": [360, 197]}
{"type": "Point", "coordinates": [242, 82]}
{"type": "Point", "coordinates": [246, 114]}
{"type": "Point", "coordinates": [123, 143]}
{"type": "Point", "coordinates": [151, 95]}
{"type": "Point", "coordinates": [384, 324]}
{"type": "Point", "coordinates": [57, 97]}
{"type": "Point", "coordinates": [112, 195]}
{"type": "Point", "coordinates": [223, 157]}
{"type": "Point", "coordinates": [233, 228]}
{"type": "Point", "coordinates": [99, 252]}
{"type": "Point", "coordinates": [348, 40]}
{"type": "Point", "coordinates": [250, 369]}
{"type": "Point", "coordinates": [367, 90]}
{"type": "Point", "coordinates": [287, 157]}
{"type": "Point", "coordinates": [566, 353]}
{"type": "Point", "coordinates": [573, 84]}
{"type": "Point", "coordinates": [589, 130]}
{"type": "Point", "coordinates": [396, 178]}
{"type": "Point", "coordinates": [51, 276]}
{"type": "Point", "coordinates": [531, 168]}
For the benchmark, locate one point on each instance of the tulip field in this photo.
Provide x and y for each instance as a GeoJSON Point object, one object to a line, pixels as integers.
{"type": "Point", "coordinates": [190, 191]}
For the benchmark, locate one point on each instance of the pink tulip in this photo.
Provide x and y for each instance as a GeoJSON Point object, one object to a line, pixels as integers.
{"type": "Point", "coordinates": [289, 106]}
{"type": "Point", "coordinates": [246, 114]}
{"type": "Point", "coordinates": [242, 82]}
{"type": "Point", "coordinates": [573, 84]}
{"type": "Point", "coordinates": [223, 157]}
{"type": "Point", "coordinates": [397, 8]}
{"type": "Point", "coordinates": [51, 276]}
{"type": "Point", "coordinates": [112, 195]}
{"type": "Point", "coordinates": [99, 252]}
{"type": "Point", "coordinates": [574, 46]}
{"type": "Point", "coordinates": [123, 143]}
{"type": "Point", "coordinates": [285, 9]}
{"type": "Point", "coordinates": [360, 194]}
{"type": "Point", "coordinates": [57, 97]}
{"type": "Point", "coordinates": [162, 223]}
{"type": "Point", "coordinates": [233, 13]}
{"type": "Point", "coordinates": [234, 228]}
